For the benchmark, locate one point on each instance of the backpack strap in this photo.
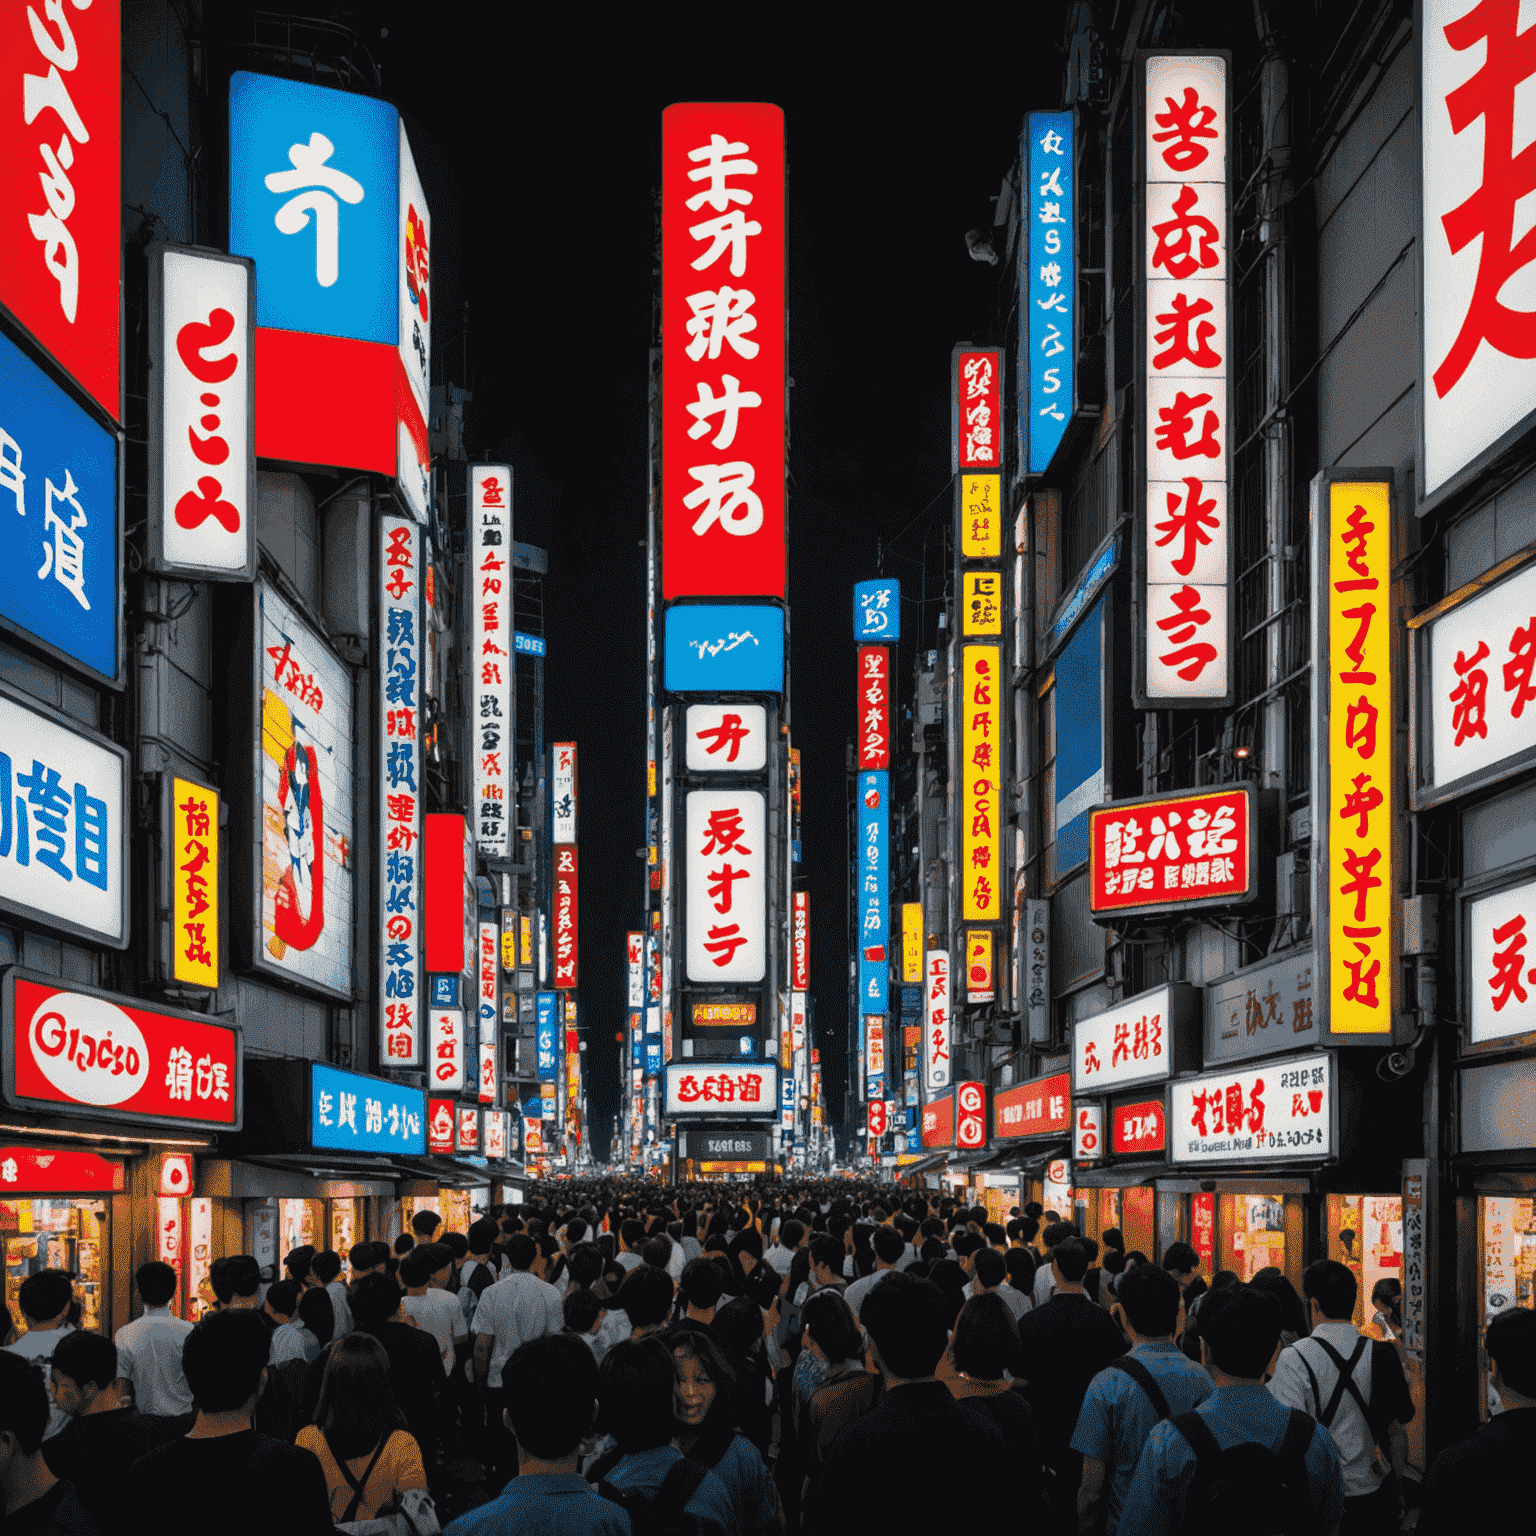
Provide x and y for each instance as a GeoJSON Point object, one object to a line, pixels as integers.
{"type": "Point", "coordinates": [1345, 1383]}
{"type": "Point", "coordinates": [1298, 1437]}
{"type": "Point", "coordinates": [1201, 1441]}
{"type": "Point", "coordinates": [1317, 1391]}
{"type": "Point", "coordinates": [1145, 1380]}
{"type": "Point", "coordinates": [684, 1479]}
{"type": "Point", "coordinates": [357, 1485]}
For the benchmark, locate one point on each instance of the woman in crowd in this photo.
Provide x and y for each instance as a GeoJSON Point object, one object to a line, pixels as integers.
{"type": "Point", "coordinates": [985, 1345]}
{"type": "Point", "coordinates": [1386, 1311]}
{"type": "Point", "coordinates": [847, 1391]}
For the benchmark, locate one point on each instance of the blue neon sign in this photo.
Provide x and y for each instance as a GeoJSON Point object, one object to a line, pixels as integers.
{"type": "Point", "coordinates": [547, 1023]}
{"type": "Point", "coordinates": [527, 645]}
{"type": "Point", "coordinates": [724, 648]}
{"type": "Point", "coordinates": [352, 1113]}
{"type": "Point", "coordinates": [1048, 286]}
{"type": "Point", "coordinates": [874, 905]}
{"type": "Point", "coordinates": [877, 609]}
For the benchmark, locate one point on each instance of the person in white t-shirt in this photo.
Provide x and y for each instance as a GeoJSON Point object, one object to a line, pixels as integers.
{"type": "Point", "coordinates": [424, 1272]}
{"type": "Point", "coordinates": [46, 1300]}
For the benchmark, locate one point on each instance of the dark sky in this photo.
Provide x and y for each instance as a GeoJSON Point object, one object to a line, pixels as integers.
{"type": "Point", "coordinates": [548, 141]}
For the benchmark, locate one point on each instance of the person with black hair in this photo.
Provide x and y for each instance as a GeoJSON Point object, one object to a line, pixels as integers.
{"type": "Point", "coordinates": [428, 1301]}
{"type": "Point", "coordinates": [631, 1241]}
{"type": "Point", "coordinates": [1239, 1438]}
{"type": "Point", "coordinates": [423, 1225]}
{"type": "Point", "coordinates": [367, 1259]}
{"type": "Point", "coordinates": [250, 1483]}
{"type": "Point", "coordinates": [889, 1248]}
{"type": "Point", "coordinates": [478, 1271]}
{"type": "Point", "coordinates": [989, 1277]}
{"type": "Point", "coordinates": [983, 1350]}
{"type": "Point", "coordinates": [699, 1291]}
{"type": "Point", "coordinates": [46, 1300]}
{"type": "Point", "coordinates": [1045, 1281]}
{"type": "Point", "coordinates": [1153, 1382]}
{"type": "Point", "coordinates": [149, 1348]}
{"type": "Point", "coordinates": [32, 1496]}
{"type": "Point", "coordinates": [584, 1314]}
{"type": "Point", "coordinates": [326, 1269]}
{"type": "Point", "coordinates": [738, 1327]}
{"type": "Point", "coordinates": [846, 1391]}
{"type": "Point", "coordinates": [645, 1298]}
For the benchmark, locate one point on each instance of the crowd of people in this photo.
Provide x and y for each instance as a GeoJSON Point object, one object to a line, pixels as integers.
{"type": "Point", "coordinates": [623, 1359]}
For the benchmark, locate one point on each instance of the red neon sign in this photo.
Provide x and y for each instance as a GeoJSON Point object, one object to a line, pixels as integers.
{"type": "Point", "coordinates": [1139, 1127]}
{"type": "Point", "coordinates": [874, 706]}
{"type": "Point", "coordinates": [1170, 852]}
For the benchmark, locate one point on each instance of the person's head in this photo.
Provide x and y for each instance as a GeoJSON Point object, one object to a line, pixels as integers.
{"type": "Point", "coordinates": [1511, 1345]}
{"type": "Point", "coordinates": [326, 1266]}
{"type": "Point", "coordinates": [1021, 1268]}
{"type": "Point", "coordinates": [830, 1329]}
{"type": "Point", "coordinates": [1059, 1232]}
{"type": "Point", "coordinates": [1387, 1296]}
{"type": "Point", "coordinates": [1113, 1261]}
{"type": "Point", "coordinates": [84, 1365]}
{"type": "Point", "coordinates": [404, 1243]}
{"type": "Point", "coordinates": [414, 1273]}
{"type": "Point", "coordinates": [907, 1326]}
{"type": "Point", "coordinates": [375, 1302]}
{"type": "Point", "coordinates": [45, 1298]}
{"type": "Point", "coordinates": [990, 1268]}
{"type": "Point", "coordinates": [705, 1396]}
{"type": "Point", "coordinates": [1113, 1238]}
{"type": "Point", "coordinates": [23, 1416]}
{"type": "Point", "coordinates": [792, 1233]}
{"type": "Point", "coordinates": [635, 1390]}
{"type": "Point", "coordinates": [701, 1285]}
{"type": "Point", "coordinates": [224, 1359]}
{"type": "Point", "coordinates": [646, 1296]}
{"type": "Point", "coordinates": [1331, 1289]}
{"type": "Point", "coordinates": [1033, 1210]}
{"type": "Point", "coordinates": [480, 1236]}
{"type": "Point", "coordinates": [1148, 1298]}
{"type": "Point", "coordinates": [357, 1406]}
{"type": "Point", "coordinates": [360, 1257]}
{"type": "Point", "coordinates": [1069, 1259]}
{"type": "Point", "coordinates": [297, 1263]}
{"type": "Point", "coordinates": [827, 1253]}
{"type": "Point", "coordinates": [1029, 1227]}
{"type": "Point", "coordinates": [1239, 1330]}
{"type": "Point", "coordinates": [583, 1311]}
{"type": "Point", "coordinates": [657, 1250]}
{"type": "Point", "coordinates": [632, 1235]}
{"type": "Point", "coordinates": [438, 1257]}
{"type": "Point", "coordinates": [318, 1313]}
{"type": "Point", "coordinates": [156, 1283]}
{"type": "Point", "coordinates": [986, 1341]}
{"type": "Point", "coordinates": [550, 1386]}
{"type": "Point", "coordinates": [576, 1232]}
{"type": "Point", "coordinates": [1182, 1262]}
{"type": "Point", "coordinates": [282, 1300]}
{"type": "Point", "coordinates": [424, 1224]}
{"type": "Point", "coordinates": [889, 1247]}
{"type": "Point", "coordinates": [521, 1251]}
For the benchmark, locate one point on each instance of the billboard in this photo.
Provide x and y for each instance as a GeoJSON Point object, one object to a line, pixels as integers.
{"type": "Point", "coordinates": [1048, 284]}
{"type": "Point", "coordinates": [1133, 1042]}
{"type": "Point", "coordinates": [1042, 1107]}
{"type": "Point", "coordinates": [800, 941]}
{"type": "Point", "coordinates": [547, 1028]}
{"type": "Point", "coordinates": [713, 1089]}
{"type": "Point", "coordinates": [349, 1112]}
{"type": "Point", "coordinates": [565, 917]}
{"type": "Point", "coordinates": [490, 533]}
{"type": "Point", "coordinates": [194, 862]}
{"type": "Point", "coordinates": [873, 876]}
{"type": "Point", "coordinates": [1499, 984]}
{"type": "Point", "coordinates": [445, 1068]}
{"type": "Point", "coordinates": [726, 738]}
{"type": "Point", "coordinates": [912, 942]}
{"type": "Point", "coordinates": [877, 610]}
{"type": "Point", "coordinates": [980, 981]}
{"type": "Point", "coordinates": [1281, 1110]}
{"type": "Point", "coordinates": [971, 1116]}
{"type": "Point", "coordinates": [981, 768]}
{"type": "Point", "coordinates": [976, 387]}
{"type": "Point", "coordinates": [563, 793]}
{"type": "Point", "coordinates": [723, 648]}
{"type": "Point", "coordinates": [486, 1026]}
{"type": "Point", "coordinates": [634, 954]}
{"type": "Point", "coordinates": [938, 1122]}
{"type": "Point", "coordinates": [874, 706]}
{"type": "Point", "coordinates": [1138, 1129]}
{"type": "Point", "coordinates": [440, 1127]}
{"type": "Point", "coordinates": [727, 888]}
{"type": "Point", "coordinates": [936, 1021]}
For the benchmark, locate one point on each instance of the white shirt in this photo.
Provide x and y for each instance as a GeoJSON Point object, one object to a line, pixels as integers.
{"type": "Point", "coordinates": [627, 1259]}
{"type": "Point", "coordinates": [341, 1307]}
{"type": "Point", "coordinates": [614, 1326]}
{"type": "Point", "coordinates": [1018, 1302]}
{"type": "Point", "coordinates": [511, 1312]}
{"type": "Point", "coordinates": [780, 1258]}
{"type": "Point", "coordinates": [149, 1355]}
{"type": "Point", "coordinates": [1045, 1285]}
{"type": "Point", "coordinates": [909, 1258]}
{"type": "Point", "coordinates": [38, 1348]}
{"type": "Point", "coordinates": [439, 1313]}
{"type": "Point", "coordinates": [293, 1341]}
{"type": "Point", "coordinates": [856, 1292]}
{"type": "Point", "coordinates": [1352, 1437]}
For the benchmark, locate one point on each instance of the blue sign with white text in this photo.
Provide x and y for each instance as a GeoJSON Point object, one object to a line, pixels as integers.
{"type": "Point", "coordinates": [352, 1113]}
{"type": "Point", "coordinates": [720, 648]}
{"type": "Point", "coordinates": [874, 1086]}
{"type": "Point", "coordinates": [1047, 286]}
{"type": "Point", "coordinates": [636, 1050]}
{"type": "Point", "coordinates": [653, 1057]}
{"type": "Point", "coordinates": [527, 645]}
{"type": "Point", "coordinates": [786, 1092]}
{"type": "Point", "coordinates": [314, 196]}
{"type": "Point", "coordinates": [877, 609]}
{"type": "Point", "coordinates": [873, 877]}
{"type": "Point", "coordinates": [546, 1013]}
{"type": "Point", "coordinates": [445, 991]}
{"type": "Point", "coordinates": [58, 517]}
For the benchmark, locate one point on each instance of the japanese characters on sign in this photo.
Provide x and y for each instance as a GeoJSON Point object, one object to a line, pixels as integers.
{"type": "Point", "coordinates": [490, 982]}
{"type": "Point", "coordinates": [59, 521]}
{"type": "Point", "coordinates": [938, 1124]}
{"type": "Point", "coordinates": [634, 952]}
{"type": "Point", "coordinates": [194, 850]}
{"type": "Point", "coordinates": [912, 942]}
{"type": "Point", "coordinates": [1131, 1043]}
{"type": "Point", "coordinates": [877, 609]}
{"type": "Point", "coordinates": [874, 1044]}
{"type": "Point", "coordinates": [1501, 964]}
{"type": "Point", "coordinates": [800, 943]}
{"type": "Point", "coordinates": [981, 516]}
{"type": "Point", "coordinates": [937, 1026]}
{"type": "Point", "coordinates": [415, 280]}
{"type": "Point", "coordinates": [496, 1122]}
{"type": "Point", "coordinates": [565, 917]}
{"type": "Point", "coordinates": [722, 330]}
{"type": "Point", "coordinates": [1172, 851]}
{"type": "Point", "coordinates": [1035, 958]}
{"type": "Point", "coordinates": [1138, 1128]}
{"type": "Point", "coordinates": [490, 514]}
{"type": "Point", "coordinates": [352, 1113]}
{"type": "Point", "coordinates": [1263, 1009]}
{"type": "Point", "coordinates": [563, 793]}
{"type": "Point", "coordinates": [1354, 881]}
{"type": "Point", "coordinates": [710, 1088]}
{"type": "Point", "coordinates": [873, 886]}
{"type": "Point", "coordinates": [976, 386]}
{"type": "Point", "coordinates": [75, 1050]}
{"type": "Point", "coordinates": [63, 835]}
{"type": "Point", "coordinates": [1282, 1109]}
{"type": "Point", "coordinates": [466, 1137]}
{"type": "Point", "coordinates": [1415, 1256]}
{"type": "Point", "coordinates": [440, 1118]}
{"type": "Point", "coordinates": [202, 403]}
{"type": "Point", "coordinates": [61, 185]}
{"type": "Point", "coordinates": [877, 1118]}
{"type": "Point", "coordinates": [446, 1050]}
{"type": "Point", "coordinates": [720, 648]}
{"type": "Point", "coordinates": [797, 1011]}
{"type": "Point", "coordinates": [1047, 285]}
{"type": "Point", "coordinates": [546, 1023]}
{"type": "Point", "coordinates": [726, 865]}
{"type": "Point", "coordinates": [981, 711]}
{"type": "Point", "coordinates": [726, 738]}
{"type": "Point", "coordinates": [1187, 560]}
{"type": "Point", "coordinates": [400, 792]}
{"type": "Point", "coordinates": [980, 986]}
{"type": "Point", "coordinates": [1042, 1107]}
{"type": "Point", "coordinates": [874, 706]}
{"type": "Point", "coordinates": [981, 602]}
{"type": "Point", "coordinates": [971, 1116]}
{"type": "Point", "coordinates": [1087, 1132]}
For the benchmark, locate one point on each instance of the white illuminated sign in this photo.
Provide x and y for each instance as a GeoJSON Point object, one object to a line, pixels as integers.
{"type": "Point", "coordinates": [1280, 1110]}
{"type": "Point", "coordinates": [490, 600]}
{"type": "Point", "coordinates": [1131, 1043]}
{"type": "Point", "coordinates": [727, 887]}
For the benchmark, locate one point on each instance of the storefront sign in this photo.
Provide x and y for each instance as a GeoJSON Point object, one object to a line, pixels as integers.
{"type": "Point", "coordinates": [877, 609]}
{"type": "Point", "coordinates": [873, 876]}
{"type": "Point", "coordinates": [1501, 976]}
{"type": "Point", "coordinates": [1042, 1107]}
{"type": "Point", "coordinates": [726, 738]}
{"type": "Point", "coordinates": [546, 1014]}
{"type": "Point", "coordinates": [971, 1116]}
{"type": "Point", "coordinates": [1415, 1253]}
{"type": "Point", "coordinates": [566, 945]}
{"type": "Point", "coordinates": [1087, 1133]}
{"type": "Point", "coordinates": [1264, 1009]}
{"type": "Point", "coordinates": [44, 1170]}
{"type": "Point", "coordinates": [1131, 1043]}
{"type": "Point", "coordinates": [938, 1124]}
{"type": "Point", "coordinates": [466, 1136]}
{"type": "Point", "coordinates": [1048, 279]}
{"type": "Point", "coordinates": [800, 956]}
{"type": "Point", "coordinates": [912, 942]}
{"type": "Point", "coordinates": [980, 514]}
{"type": "Point", "coordinates": [874, 706]}
{"type": "Point", "coordinates": [1354, 878]}
{"type": "Point", "coordinates": [732, 1016]}
{"type": "Point", "coordinates": [977, 404]}
{"type": "Point", "coordinates": [877, 1120]}
{"type": "Point", "coordinates": [727, 890]}
{"type": "Point", "coordinates": [1187, 639]}
{"type": "Point", "coordinates": [797, 1009]}
{"type": "Point", "coordinates": [194, 858]}
{"type": "Point", "coordinates": [533, 1137]}
{"type": "Point", "coordinates": [490, 534]}
{"type": "Point", "coordinates": [61, 185]}
{"type": "Point", "coordinates": [440, 1123]}
{"type": "Point", "coordinates": [936, 1022]}
{"type": "Point", "coordinates": [874, 1045]}
{"type": "Point", "coordinates": [1283, 1110]}
{"type": "Point", "coordinates": [724, 648]}
{"type": "Point", "coordinates": [980, 768]}
{"type": "Point", "coordinates": [1035, 953]}
{"type": "Point", "coordinates": [1202, 1230]}
{"type": "Point", "coordinates": [446, 1072]}
{"type": "Point", "coordinates": [634, 953]}
{"type": "Point", "coordinates": [496, 1132]}
{"type": "Point", "coordinates": [563, 793]}
{"type": "Point", "coordinates": [981, 603]}
{"type": "Point", "coordinates": [980, 987]}
{"type": "Point", "coordinates": [1138, 1128]}
{"type": "Point", "coordinates": [489, 985]}
{"type": "Point", "coordinates": [711, 1090]}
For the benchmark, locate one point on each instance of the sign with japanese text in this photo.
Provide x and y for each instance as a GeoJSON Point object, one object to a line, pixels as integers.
{"type": "Point", "coordinates": [572, 1068]}
{"type": "Point", "coordinates": [1047, 285]}
{"type": "Point", "coordinates": [1202, 1229]}
{"type": "Point", "coordinates": [1263, 1009]}
{"type": "Point", "coordinates": [1415, 1253]}
{"type": "Point", "coordinates": [353, 1113]}
{"type": "Point", "coordinates": [497, 1123]}
{"type": "Point", "coordinates": [304, 773]}
{"type": "Point", "coordinates": [971, 1116]}
{"type": "Point", "coordinates": [912, 942]}
{"type": "Point", "coordinates": [547, 1028]}
{"type": "Point", "coordinates": [981, 708]}
{"type": "Point", "coordinates": [414, 280]}
{"type": "Point", "coordinates": [1501, 974]}
{"type": "Point", "coordinates": [877, 1120]}
{"type": "Point", "coordinates": [874, 706]}
{"type": "Point", "coordinates": [1174, 852]}
{"type": "Point", "coordinates": [1354, 878]}
{"type": "Point", "coordinates": [877, 610]}
{"type": "Point", "coordinates": [722, 333]}
{"type": "Point", "coordinates": [446, 1050]}
{"type": "Point", "coordinates": [1130, 1043]}
{"type": "Point", "coordinates": [47, 1170]}
{"type": "Point", "coordinates": [565, 916]}
{"type": "Point", "coordinates": [1138, 1128]}
{"type": "Point", "coordinates": [1035, 958]}
{"type": "Point", "coordinates": [976, 405]}
{"type": "Point", "coordinates": [401, 782]}
{"type": "Point", "coordinates": [490, 538]}
{"type": "Point", "coordinates": [533, 1137]}
{"type": "Point", "coordinates": [797, 1013]}
{"type": "Point", "coordinates": [63, 831]}
{"type": "Point", "coordinates": [466, 1136]}
{"type": "Point", "coordinates": [710, 1089]}
{"type": "Point", "coordinates": [60, 528]}
{"type": "Point", "coordinates": [723, 648]}
{"type": "Point", "coordinates": [981, 516]}
{"type": "Point", "coordinates": [202, 412]}
{"type": "Point", "coordinates": [981, 602]}
{"type": "Point", "coordinates": [440, 1118]}
{"type": "Point", "coordinates": [194, 883]}
{"type": "Point", "coordinates": [634, 953]}
{"type": "Point", "coordinates": [1282, 1110]}
{"type": "Point", "coordinates": [874, 1045]}
{"type": "Point", "coordinates": [937, 1027]}
{"type": "Point", "coordinates": [727, 888]}
{"type": "Point", "coordinates": [1042, 1107]}
{"type": "Point", "coordinates": [563, 793]}
{"type": "Point", "coordinates": [1087, 1132]}
{"type": "Point", "coordinates": [1187, 563]}
{"type": "Point", "coordinates": [938, 1123]}
{"type": "Point", "coordinates": [980, 984]}
{"type": "Point", "coordinates": [726, 738]}
{"type": "Point", "coordinates": [800, 943]}
{"type": "Point", "coordinates": [79, 1051]}
{"type": "Point", "coordinates": [490, 984]}
{"type": "Point", "coordinates": [61, 185]}
{"type": "Point", "coordinates": [873, 885]}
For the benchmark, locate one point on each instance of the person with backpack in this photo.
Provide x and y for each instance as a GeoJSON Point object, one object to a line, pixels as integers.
{"type": "Point", "coordinates": [1355, 1388]}
{"type": "Point", "coordinates": [1132, 1395]}
{"type": "Point", "coordinates": [1241, 1460]}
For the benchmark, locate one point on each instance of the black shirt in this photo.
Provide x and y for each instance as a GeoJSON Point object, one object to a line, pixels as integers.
{"type": "Point", "coordinates": [94, 1453]}
{"type": "Point", "coordinates": [57, 1513]}
{"type": "Point", "coordinates": [1010, 1413]}
{"type": "Point", "coordinates": [1483, 1483]}
{"type": "Point", "coordinates": [415, 1369]}
{"type": "Point", "coordinates": [1062, 1347]}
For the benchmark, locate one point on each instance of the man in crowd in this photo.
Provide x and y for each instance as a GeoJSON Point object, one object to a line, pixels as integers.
{"type": "Point", "coordinates": [700, 1290]}
{"type": "Point", "coordinates": [236, 1283]}
{"type": "Point", "coordinates": [631, 1241]}
{"type": "Point", "coordinates": [989, 1272]}
{"type": "Point", "coordinates": [782, 1254]}
{"type": "Point", "coordinates": [1045, 1279]}
{"type": "Point", "coordinates": [327, 1271]}
{"type": "Point", "coordinates": [46, 1300]}
{"type": "Point", "coordinates": [423, 1225]}
{"type": "Point", "coordinates": [424, 1273]}
{"type": "Point", "coordinates": [32, 1496]}
{"type": "Point", "coordinates": [889, 1249]}
{"type": "Point", "coordinates": [149, 1348]}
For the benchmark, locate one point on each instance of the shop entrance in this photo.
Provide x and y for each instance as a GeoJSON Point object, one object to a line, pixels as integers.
{"type": "Point", "coordinates": [58, 1232]}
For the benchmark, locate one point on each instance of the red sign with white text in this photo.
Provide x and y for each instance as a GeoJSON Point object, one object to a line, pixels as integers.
{"type": "Point", "coordinates": [440, 1126]}
{"type": "Point", "coordinates": [1039, 1108]}
{"type": "Point", "coordinates": [979, 409]}
{"type": "Point", "coordinates": [874, 706]}
{"type": "Point", "coordinates": [877, 1117]}
{"type": "Point", "coordinates": [1173, 851]}
{"type": "Point", "coordinates": [722, 319]}
{"type": "Point", "coordinates": [61, 184]}
{"type": "Point", "coordinates": [800, 979]}
{"type": "Point", "coordinates": [939, 1122]}
{"type": "Point", "coordinates": [468, 1138]}
{"type": "Point", "coordinates": [565, 916]}
{"type": "Point", "coordinates": [44, 1170]}
{"type": "Point", "coordinates": [1139, 1127]}
{"type": "Point", "coordinates": [971, 1117]}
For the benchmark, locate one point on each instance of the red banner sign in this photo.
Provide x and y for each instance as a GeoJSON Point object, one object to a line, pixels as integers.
{"type": "Point", "coordinates": [1170, 852]}
{"type": "Point", "coordinates": [565, 916]}
{"type": "Point", "coordinates": [971, 1119]}
{"type": "Point", "coordinates": [877, 1117]}
{"type": "Point", "coordinates": [440, 1126]}
{"type": "Point", "coordinates": [722, 318]}
{"type": "Point", "coordinates": [41, 1170]}
{"type": "Point", "coordinates": [1039, 1108]}
{"type": "Point", "coordinates": [1139, 1127]}
{"type": "Point", "coordinates": [979, 409]}
{"type": "Point", "coordinates": [874, 706]}
{"type": "Point", "coordinates": [468, 1137]}
{"type": "Point", "coordinates": [800, 979]}
{"type": "Point", "coordinates": [939, 1122]}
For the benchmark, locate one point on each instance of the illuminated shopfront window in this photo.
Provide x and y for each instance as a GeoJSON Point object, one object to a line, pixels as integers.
{"type": "Point", "coordinates": [56, 1233]}
{"type": "Point", "coordinates": [1365, 1233]}
{"type": "Point", "coordinates": [347, 1226]}
{"type": "Point", "coordinates": [300, 1224]}
{"type": "Point", "coordinates": [1507, 1241]}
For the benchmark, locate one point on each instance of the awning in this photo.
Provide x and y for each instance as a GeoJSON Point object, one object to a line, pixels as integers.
{"type": "Point", "coordinates": [1032, 1157]}
{"type": "Point", "coordinates": [1268, 1182]}
{"type": "Point", "coordinates": [449, 1174]}
{"type": "Point", "coordinates": [310, 1175]}
{"type": "Point", "coordinates": [1118, 1175]}
{"type": "Point", "coordinates": [925, 1164]}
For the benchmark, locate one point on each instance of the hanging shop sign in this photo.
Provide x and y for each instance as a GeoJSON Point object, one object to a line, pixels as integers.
{"type": "Point", "coordinates": [193, 848]}
{"type": "Point", "coordinates": [1202, 1229]}
{"type": "Point", "coordinates": [936, 1021]}
{"type": "Point", "coordinates": [1141, 1040]}
{"type": "Point", "coordinates": [490, 534]}
{"type": "Point", "coordinates": [440, 1118]}
{"type": "Point", "coordinates": [565, 917]}
{"type": "Point", "coordinates": [722, 329]}
{"type": "Point", "coordinates": [1186, 565]}
{"type": "Point", "coordinates": [1138, 1128]}
{"type": "Point", "coordinates": [77, 1050]}
{"type": "Point", "coordinates": [533, 1137]}
{"type": "Point", "coordinates": [726, 738]}
{"type": "Point", "coordinates": [353, 1113]}
{"type": "Point", "coordinates": [981, 769]}
{"type": "Point", "coordinates": [980, 984]}
{"type": "Point", "coordinates": [446, 1048]}
{"type": "Point", "coordinates": [1047, 285]}
{"type": "Point", "coordinates": [1035, 957]}
{"type": "Point", "coordinates": [976, 409]}
{"type": "Point", "coordinates": [1264, 1009]}
{"type": "Point", "coordinates": [981, 602]}
{"type": "Point", "coordinates": [711, 1090]}
{"type": "Point", "coordinates": [1354, 862]}
{"type": "Point", "coordinates": [874, 1045]}
{"type": "Point", "coordinates": [413, 242]}
{"type": "Point", "coordinates": [938, 1122]}
{"type": "Point", "coordinates": [980, 515]}
{"type": "Point", "coordinates": [61, 186]}
{"type": "Point", "coordinates": [1282, 1110]}
{"type": "Point", "coordinates": [466, 1135]}
{"type": "Point", "coordinates": [874, 793]}
{"type": "Point", "coordinates": [1173, 853]}
{"type": "Point", "coordinates": [484, 1058]}
{"type": "Point", "coordinates": [563, 793]}
{"type": "Point", "coordinates": [60, 528]}
{"type": "Point", "coordinates": [634, 952]}
{"type": "Point", "coordinates": [496, 1123]}
{"type": "Point", "coordinates": [912, 942]}
{"type": "Point", "coordinates": [877, 1120]}
{"type": "Point", "coordinates": [970, 1116]}
{"type": "Point", "coordinates": [726, 1016]}
{"type": "Point", "coordinates": [546, 1028]}
{"type": "Point", "coordinates": [202, 413]}
{"type": "Point", "coordinates": [1041, 1107]}
{"type": "Point", "coordinates": [451, 905]}
{"type": "Point", "coordinates": [797, 1013]}
{"type": "Point", "coordinates": [63, 823]}
{"type": "Point", "coordinates": [1500, 973]}
{"type": "Point", "coordinates": [1415, 1254]}
{"type": "Point", "coordinates": [800, 941]}
{"type": "Point", "coordinates": [723, 648]}
{"type": "Point", "coordinates": [727, 889]}
{"type": "Point", "coordinates": [1087, 1133]}
{"type": "Point", "coordinates": [877, 609]}
{"type": "Point", "coordinates": [874, 706]}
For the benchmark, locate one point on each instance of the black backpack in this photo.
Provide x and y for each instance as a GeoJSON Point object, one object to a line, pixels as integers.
{"type": "Point", "coordinates": [665, 1512]}
{"type": "Point", "coordinates": [1248, 1487]}
{"type": "Point", "coordinates": [1143, 1379]}
{"type": "Point", "coordinates": [483, 1278]}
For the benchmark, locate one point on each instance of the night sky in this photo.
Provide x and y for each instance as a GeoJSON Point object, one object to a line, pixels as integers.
{"type": "Point", "coordinates": [549, 145]}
